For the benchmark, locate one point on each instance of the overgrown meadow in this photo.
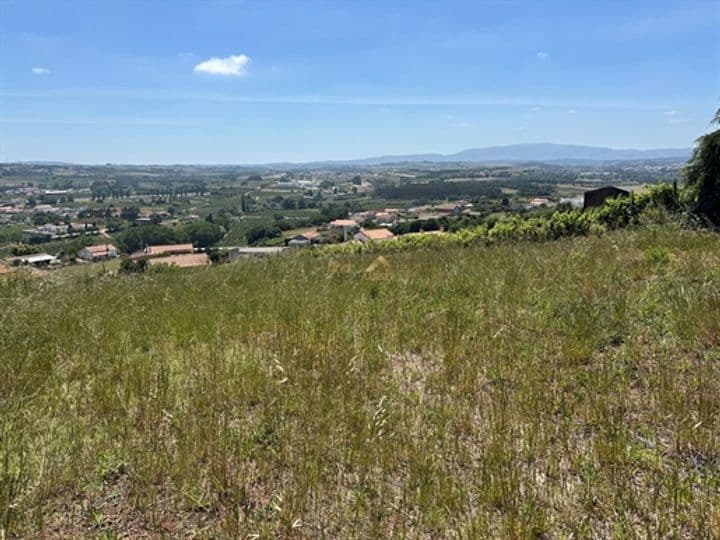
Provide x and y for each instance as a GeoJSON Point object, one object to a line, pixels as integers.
{"type": "Point", "coordinates": [560, 389]}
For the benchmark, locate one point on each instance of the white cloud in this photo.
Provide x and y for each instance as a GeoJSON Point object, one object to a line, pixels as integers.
{"type": "Point", "coordinates": [572, 111]}
{"type": "Point", "coordinates": [40, 71]}
{"type": "Point", "coordinates": [671, 113]}
{"type": "Point", "coordinates": [536, 108]}
{"type": "Point", "coordinates": [543, 55]}
{"type": "Point", "coordinates": [235, 66]}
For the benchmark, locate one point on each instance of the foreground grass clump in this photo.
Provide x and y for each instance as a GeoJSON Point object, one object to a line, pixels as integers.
{"type": "Point", "coordinates": [565, 389]}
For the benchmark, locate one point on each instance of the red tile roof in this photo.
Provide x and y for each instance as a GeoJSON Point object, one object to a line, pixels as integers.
{"type": "Point", "coordinates": [169, 248]}
{"type": "Point", "coordinates": [101, 249]}
{"type": "Point", "coordinates": [343, 223]}
{"type": "Point", "coordinates": [182, 261]}
{"type": "Point", "coordinates": [377, 234]}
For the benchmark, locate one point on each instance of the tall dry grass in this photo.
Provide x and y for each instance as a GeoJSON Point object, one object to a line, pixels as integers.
{"type": "Point", "coordinates": [564, 389]}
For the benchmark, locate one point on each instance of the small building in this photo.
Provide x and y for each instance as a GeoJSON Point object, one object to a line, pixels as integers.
{"type": "Point", "coordinates": [304, 239]}
{"type": "Point", "coordinates": [538, 202]}
{"type": "Point", "coordinates": [452, 208]}
{"type": "Point", "coordinates": [597, 197]}
{"type": "Point", "coordinates": [44, 209]}
{"type": "Point", "coordinates": [96, 253]}
{"type": "Point", "coordinates": [373, 235]}
{"type": "Point", "coordinates": [361, 217]}
{"type": "Point", "coordinates": [163, 250]}
{"type": "Point", "coordinates": [54, 195]}
{"type": "Point", "coordinates": [82, 227]}
{"type": "Point", "coordinates": [188, 260]}
{"type": "Point", "coordinates": [50, 229]}
{"type": "Point", "coordinates": [345, 225]}
{"type": "Point", "coordinates": [39, 259]}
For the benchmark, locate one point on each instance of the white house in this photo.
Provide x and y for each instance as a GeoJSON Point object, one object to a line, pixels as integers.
{"type": "Point", "coordinates": [95, 253]}
{"type": "Point", "coordinates": [304, 239]}
{"type": "Point", "coordinates": [40, 259]}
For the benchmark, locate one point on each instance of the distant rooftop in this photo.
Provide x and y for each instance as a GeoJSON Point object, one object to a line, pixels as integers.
{"type": "Point", "coordinates": [187, 260]}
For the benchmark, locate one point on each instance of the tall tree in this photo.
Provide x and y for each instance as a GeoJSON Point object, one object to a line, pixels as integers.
{"type": "Point", "coordinates": [702, 175]}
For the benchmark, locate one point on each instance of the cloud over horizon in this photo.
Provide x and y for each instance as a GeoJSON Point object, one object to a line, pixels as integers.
{"type": "Point", "coordinates": [40, 71]}
{"type": "Point", "coordinates": [234, 66]}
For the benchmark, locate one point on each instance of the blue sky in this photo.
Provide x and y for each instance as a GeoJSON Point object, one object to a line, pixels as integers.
{"type": "Point", "coordinates": [250, 82]}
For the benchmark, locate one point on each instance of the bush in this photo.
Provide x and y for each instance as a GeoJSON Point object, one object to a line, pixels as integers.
{"type": "Point", "coordinates": [19, 250]}
{"type": "Point", "coordinates": [217, 256]}
{"type": "Point", "coordinates": [658, 254]}
{"type": "Point", "coordinates": [129, 266]}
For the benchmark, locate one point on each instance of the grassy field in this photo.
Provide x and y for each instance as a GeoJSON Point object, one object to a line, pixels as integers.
{"type": "Point", "coordinates": [564, 389]}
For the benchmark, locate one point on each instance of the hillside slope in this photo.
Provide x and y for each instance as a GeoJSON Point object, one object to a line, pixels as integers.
{"type": "Point", "coordinates": [565, 388]}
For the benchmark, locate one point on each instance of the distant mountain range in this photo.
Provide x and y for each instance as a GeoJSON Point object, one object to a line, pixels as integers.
{"type": "Point", "coordinates": [513, 153]}
{"type": "Point", "coordinates": [543, 152]}
{"type": "Point", "coordinates": [535, 152]}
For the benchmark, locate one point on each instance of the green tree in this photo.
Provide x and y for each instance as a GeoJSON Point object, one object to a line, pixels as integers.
{"type": "Point", "coordinates": [135, 238]}
{"type": "Point", "coordinates": [22, 249]}
{"type": "Point", "coordinates": [260, 233]}
{"type": "Point", "coordinates": [702, 175]}
{"type": "Point", "coordinates": [202, 233]}
{"type": "Point", "coordinates": [114, 224]}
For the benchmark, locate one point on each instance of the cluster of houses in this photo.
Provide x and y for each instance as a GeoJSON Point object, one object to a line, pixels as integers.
{"type": "Point", "coordinates": [353, 227]}
{"type": "Point", "coordinates": [350, 229]}
{"type": "Point", "coordinates": [181, 255]}
{"type": "Point", "coordinates": [19, 206]}
{"type": "Point", "coordinates": [89, 253]}
{"type": "Point", "coordinates": [63, 230]}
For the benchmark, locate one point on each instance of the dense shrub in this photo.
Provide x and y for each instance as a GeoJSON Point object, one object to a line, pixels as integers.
{"type": "Point", "coordinates": [130, 266]}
